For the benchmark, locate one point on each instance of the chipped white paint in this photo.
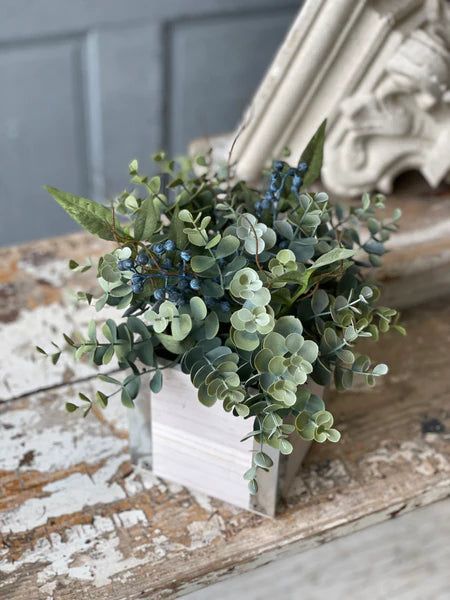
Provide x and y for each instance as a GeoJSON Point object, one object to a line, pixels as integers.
{"type": "Point", "coordinates": [64, 496]}
{"type": "Point", "coordinates": [204, 532]}
{"type": "Point", "coordinates": [51, 438]}
{"type": "Point", "coordinates": [97, 549]}
{"type": "Point", "coordinates": [23, 369]}
{"type": "Point", "coordinates": [53, 272]}
{"type": "Point", "coordinates": [203, 500]}
{"type": "Point", "coordinates": [421, 456]}
{"type": "Point", "coordinates": [37, 437]}
{"type": "Point", "coordinates": [327, 477]}
{"type": "Point", "coordinates": [84, 552]}
{"type": "Point", "coordinates": [139, 480]}
{"type": "Point", "coordinates": [95, 553]}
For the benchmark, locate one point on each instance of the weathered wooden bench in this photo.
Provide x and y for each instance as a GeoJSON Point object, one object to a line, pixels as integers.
{"type": "Point", "coordinates": [78, 520]}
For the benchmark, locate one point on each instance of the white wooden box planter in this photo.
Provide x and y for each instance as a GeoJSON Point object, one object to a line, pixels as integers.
{"type": "Point", "coordinates": [199, 447]}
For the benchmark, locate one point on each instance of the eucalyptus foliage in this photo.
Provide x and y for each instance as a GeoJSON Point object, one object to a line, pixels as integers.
{"type": "Point", "coordinates": [252, 292]}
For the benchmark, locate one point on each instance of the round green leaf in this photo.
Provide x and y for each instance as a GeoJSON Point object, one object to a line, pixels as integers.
{"type": "Point", "coordinates": [285, 446]}
{"type": "Point", "coordinates": [156, 382]}
{"type": "Point", "coordinates": [227, 246]}
{"type": "Point", "coordinates": [198, 308]}
{"type": "Point", "coordinates": [263, 460]}
{"type": "Point", "coordinates": [202, 263]}
{"type": "Point", "coordinates": [380, 369]}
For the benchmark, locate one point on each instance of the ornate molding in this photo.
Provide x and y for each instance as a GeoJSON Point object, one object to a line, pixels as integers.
{"type": "Point", "coordinates": [380, 71]}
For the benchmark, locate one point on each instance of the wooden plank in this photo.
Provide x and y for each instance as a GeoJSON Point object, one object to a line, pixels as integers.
{"type": "Point", "coordinates": [402, 559]}
{"type": "Point", "coordinates": [417, 268]}
{"type": "Point", "coordinates": [36, 305]}
{"type": "Point", "coordinates": [79, 521]}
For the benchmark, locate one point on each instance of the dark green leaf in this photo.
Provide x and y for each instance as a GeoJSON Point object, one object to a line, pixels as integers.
{"type": "Point", "coordinates": [319, 301]}
{"type": "Point", "coordinates": [92, 216]}
{"type": "Point", "coordinates": [55, 357]}
{"type": "Point", "coordinates": [176, 230]}
{"type": "Point", "coordinates": [147, 220]}
{"type": "Point", "coordinates": [374, 247]}
{"type": "Point", "coordinates": [253, 486]}
{"type": "Point", "coordinates": [333, 256]}
{"type": "Point", "coordinates": [263, 460]}
{"type": "Point", "coordinates": [126, 399]}
{"type": "Point", "coordinates": [146, 353]}
{"type": "Point", "coordinates": [108, 355]}
{"type": "Point", "coordinates": [132, 384]}
{"type": "Point", "coordinates": [156, 382]}
{"type": "Point", "coordinates": [102, 399]}
{"type": "Point", "coordinates": [108, 379]}
{"type": "Point", "coordinates": [68, 340]}
{"type": "Point", "coordinates": [202, 263]}
{"type": "Point", "coordinates": [313, 155]}
{"type": "Point", "coordinates": [227, 246]}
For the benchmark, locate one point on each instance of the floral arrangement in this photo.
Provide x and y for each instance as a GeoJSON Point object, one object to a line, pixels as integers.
{"type": "Point", "coordinates": [251, 292]}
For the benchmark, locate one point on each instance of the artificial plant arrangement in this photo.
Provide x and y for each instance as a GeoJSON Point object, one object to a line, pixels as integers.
{"type": "Point", "coordinates": [252, 292]}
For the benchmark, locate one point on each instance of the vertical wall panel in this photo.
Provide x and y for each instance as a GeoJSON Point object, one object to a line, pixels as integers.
{"type": "Point", "coordinates": [216, 65]}
{"type": "Point", "coordinates": [41, 136]}
{"type": "Point", "coordinates": [89, 85]}
{"type": "Point", "coordinates": [131, 95]}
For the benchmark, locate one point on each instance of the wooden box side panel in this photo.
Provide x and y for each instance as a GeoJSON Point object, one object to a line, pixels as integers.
{"type": "Point", "coordinates": [199, 446]}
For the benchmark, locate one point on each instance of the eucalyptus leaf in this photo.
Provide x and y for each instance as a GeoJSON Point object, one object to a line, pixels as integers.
{"type": "Point", "coordinates": [126, 399]}
{"type": "Point", "coordinates": [227, 245]}
{"type": "Point", "coordinates": [333, 256]}
{"type": "Point", "coordinates": [202, 263]}
{"type": "Point", "coordinates": [147, 220]}
{"type": "Point", "coordinates": [319, 301]}
{"type": "Point", "coordinates": [198, 308]}
{"type": "Point", "coordinates": [156, 382]}
{"type": "Point", "coordinates": [256, 290]}
{"type": "Point", "coordinates": [263, 460]}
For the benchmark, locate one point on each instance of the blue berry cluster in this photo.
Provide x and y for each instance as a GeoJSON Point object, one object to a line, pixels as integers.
{"type": "Point", "coordinates": [177, 280]}
{"type": "Point", "coordinates": [277, 182]}
{"type": "Point", "coordinates": [170, 266]}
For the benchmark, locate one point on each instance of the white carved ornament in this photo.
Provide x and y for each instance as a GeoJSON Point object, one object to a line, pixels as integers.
{"type": "Point", "coordinates": [380, 71]}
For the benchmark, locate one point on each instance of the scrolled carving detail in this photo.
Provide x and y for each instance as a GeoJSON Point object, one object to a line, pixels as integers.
{"type": "Point", "coordinates": [403, 122]}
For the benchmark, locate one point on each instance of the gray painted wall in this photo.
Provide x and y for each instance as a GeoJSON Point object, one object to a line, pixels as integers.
{"type": "Point", "coordinates": [87, 85]}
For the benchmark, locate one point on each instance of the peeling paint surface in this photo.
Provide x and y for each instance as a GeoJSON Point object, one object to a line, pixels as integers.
{"type": "Point", "coordinates": [40, 426]}
{"type": "Point", "coordinates": [78, 520]}
{"type": "Point", "coordinates": [73, 555]}
{"type": "Point", "coordinates": [28, 370]}
{"type": "Point", "coordinates": [36, 304]}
